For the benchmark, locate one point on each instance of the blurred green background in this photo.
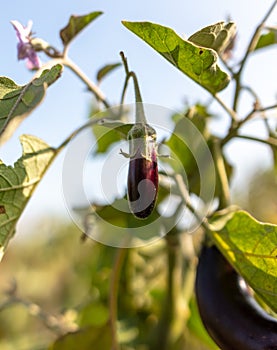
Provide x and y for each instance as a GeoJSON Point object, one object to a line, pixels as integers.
{"type": "Point", "coordinates": [59, 282]}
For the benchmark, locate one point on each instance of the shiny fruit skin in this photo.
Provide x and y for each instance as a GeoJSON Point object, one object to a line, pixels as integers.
{"type": "Point", "coordinates": [231, 316]}
{"type": "Point", "coordinates": [143, 177]}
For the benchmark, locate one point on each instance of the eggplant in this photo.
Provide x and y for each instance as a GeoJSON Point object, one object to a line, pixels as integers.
{"type": "Point", "coordinates": [232, 317]}
{"type": "Point", "coordinates": [143, 178]}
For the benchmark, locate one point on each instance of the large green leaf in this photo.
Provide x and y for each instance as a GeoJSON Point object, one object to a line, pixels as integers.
{"type": "Point", "coordinates": [85, 339]}
{"type": "Point", "coordinates": [251, 247]}
{"type": "Point", "coordinates": [17, 183]}
{"type": "Point", "coordinates": [197, 62]}
{"type": "Point", "coordinates": [17, 102]}
{"type": "Point", "coordinates": [76, 24]}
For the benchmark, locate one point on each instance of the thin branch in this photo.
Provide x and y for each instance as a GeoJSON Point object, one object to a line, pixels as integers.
{"type": "Point", "coordinates": [58, 324]}
{"type": "Point", "coordinates": [271, 141]}
{"type": "Point", "coordinates": [113, 297]}
{"type": "Point", "coordinates": [233, 132]}
{"type": "Point", "coordinates": [91, 86]}
{"type": "Point", "coordinates": [230, 111]}
{"type": "Point", "coordinates": [125, 64]}
{"type": "Point", "coordinates": [221, 174]}
{"type": "Point", "coordinates": [251, 46]}
{"type": "Point", "coordinates": [268, 108]}
{"type": "Point", "coordinates": [76, 132]}
{"type": "Point", "coordinates": [187, 202]}
{"type": "Point", "coordinates": [140, 115]}
{"type": "Point", "coordinates": [256, 110]}
{"type": "Point", "coordinates": [62, 58]}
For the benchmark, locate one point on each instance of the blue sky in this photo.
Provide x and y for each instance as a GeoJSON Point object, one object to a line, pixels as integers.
{"type": "Point", "coordinates": [67, 102]}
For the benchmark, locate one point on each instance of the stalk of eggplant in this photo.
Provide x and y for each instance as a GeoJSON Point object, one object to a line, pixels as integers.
{"type": "Point", "coordinates": [143, 175]}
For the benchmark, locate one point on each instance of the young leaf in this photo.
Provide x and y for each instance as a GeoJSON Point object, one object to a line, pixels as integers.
{"type": "Point", "coordinates": [75, 25]}
{"type": "Point", "coordinates": [17, 183]}
{"type": "Point", "coordinates": [108, 134]}
{"type": "Point", "coordinates": [267, 39]}
{"type": "Point", "coordinates": [106, 70]}
{"type": "Point", "coordinates": [113, 130]}
{"type": "Point", "coordinates": [217, 36]}
{"type": "Point", "coordinates": [17, 102]}
{"type": "Point", "coordinates": [251, 247]}
{"type": "Point", "coordinates": [196, 62]}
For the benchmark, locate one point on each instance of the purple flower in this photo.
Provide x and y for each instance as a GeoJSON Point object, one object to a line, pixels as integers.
{"type": "Point", "coordinates": [24, 46]}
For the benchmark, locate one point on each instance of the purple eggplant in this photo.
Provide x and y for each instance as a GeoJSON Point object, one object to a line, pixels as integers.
{"type": "Point", "coordinates": [143, 178]}
{"type": "Point", "coordinates": [230, 314]}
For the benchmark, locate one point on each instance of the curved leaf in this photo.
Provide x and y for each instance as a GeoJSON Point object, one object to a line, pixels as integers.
{"type": "Point", "coordinates": [196, 62]}
{"type": "Point", "coordinates": [107, 69]}
{"type": "Point", "coordinates": [217, 36]}
{"type": "Point", "coordinates": [251, 247]}
{"type": "Point", "coordinates": [75, 25]}
{"type": "Point", "coordinates": [17, 183]}
{"type": "Point", "coordinates": [17, 102]}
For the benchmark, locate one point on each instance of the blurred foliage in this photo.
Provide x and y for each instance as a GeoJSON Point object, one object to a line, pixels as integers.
{"type": "Point", "coordinates": [62, 293]}
{"type": "Point", "coordinates": [260, 198]}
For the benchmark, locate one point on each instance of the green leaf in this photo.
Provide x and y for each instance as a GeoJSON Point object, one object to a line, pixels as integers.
{"type": "Point", "coordinates": [112, 130]}
{"type": "Point", "coordinates": [188, 145]}
{"type": "Point", "coordinates": [17, 102]}
{"type": "Point", "coordinates": [108, 134]}
{"type": "Point", "coordinates": [17, 183]}
{"type": "Point", "coordinates": [75, 25]}
{"type": "Point", "coordinates": [108, 68]}
{"type": "Point", "coordinates": [94, 314]}
{"type": "Point", "coordinates": [115, 223]}
{"type": "Point", "coordinates": [196, 62]}
{"type": "Point", "coordinates": [217, 36]}
{"type": "Point", "coordinates": [251, 247]}
{"type": "Point", "coordinates": [267, 39]}
{"type": "Point", "coordinates": [86, 339]}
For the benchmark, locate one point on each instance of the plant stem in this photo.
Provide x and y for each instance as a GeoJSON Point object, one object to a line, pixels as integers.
{"type": "Point", "coordinates": [91, 86]}
{"type": "Point", "coordinates": [187, 202]}
{"type": "Point", "coordinates": [140, 115]}
{"type": "Point", "coordinates": [163, 333]}
{"type": "Point", "coordinates": [233, 132]}
{"type": "Point", "coordinates": [230, 111]}
{"type": "Point", "coordinates": [55, 323]}
{"type": "Point", "coordinates": [251, 47]}
{"type": "Point", "coordinates": [271, 141]}
{"type": "Point", "coordinates": [76, 132]}
{"type": "Point", "coordinates": [221, 174]}
{"type": "Point", "coordinates": [115, 278]}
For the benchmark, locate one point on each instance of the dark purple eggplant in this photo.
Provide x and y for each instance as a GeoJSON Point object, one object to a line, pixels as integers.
{"type": "Point", "coordinates": [143, 175]}
{"type": "Point", "coordinates": [230, 314]}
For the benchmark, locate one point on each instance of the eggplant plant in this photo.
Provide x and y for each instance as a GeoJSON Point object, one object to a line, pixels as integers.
{"type": "Point", "coordinates": [198, 272]}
